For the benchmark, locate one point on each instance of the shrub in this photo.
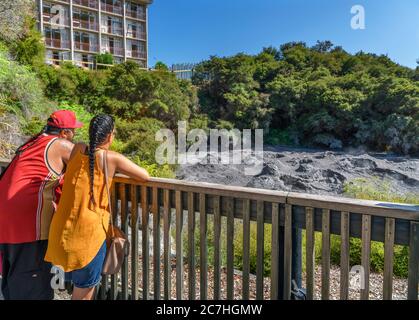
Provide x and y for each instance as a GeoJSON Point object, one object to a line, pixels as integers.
{"type": "Point", "coordinates": [139, 137]}
{"type": "Point", "coordinates": [238, 248]}
{"type": "Point", "coordinates": [104, 58]}
{"type": "Point", "coordinates": [277, 137]}
{"type": "Point", "coordinates": [22, 103]}
{"type": "Point", "coordinates": [20, 89]}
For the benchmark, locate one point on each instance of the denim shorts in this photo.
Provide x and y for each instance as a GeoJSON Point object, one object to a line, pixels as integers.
{"type": "Point", "coordinates": [90, 275]}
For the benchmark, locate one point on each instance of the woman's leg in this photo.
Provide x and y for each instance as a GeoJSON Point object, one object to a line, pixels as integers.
{"type": "Point", "coordinates": [83, 293]}
{"type": "Point", "coordinates": [86, 280]}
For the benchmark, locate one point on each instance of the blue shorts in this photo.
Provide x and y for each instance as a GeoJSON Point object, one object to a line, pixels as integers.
{"type": "Point", "coordinates": [90, 275]}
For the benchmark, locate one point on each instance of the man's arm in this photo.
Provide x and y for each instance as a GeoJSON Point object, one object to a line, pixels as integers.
{"type": "Point", "coordinates": [66, 150]}
{"type": "Point", "coordinates": [59, 154]}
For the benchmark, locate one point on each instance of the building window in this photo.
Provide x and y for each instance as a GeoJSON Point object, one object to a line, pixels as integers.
{"type": "Point", "coordinates": [57, 38]}
{"type": "Point", "coordinates": [136, 10]}
{"type": "Point", "coordinates": [85, 20]}
{"type": "Point", "coordinates": [112, 45]}
{"type": "Point", "coordinates": [111, 25]}
{"type": "Point", "coordinates": [114, 6]}
{"type": "Point", "coordinates": [85, 41]}
{"type": "Point", "coordinates": [136, 30]}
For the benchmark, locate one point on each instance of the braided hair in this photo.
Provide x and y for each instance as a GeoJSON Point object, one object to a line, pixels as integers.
{"type": "Point", "coordinates": [100, 127]}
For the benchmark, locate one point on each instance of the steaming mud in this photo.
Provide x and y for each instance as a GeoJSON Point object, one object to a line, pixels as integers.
{"type": "Point", "coordinates": [312, 171]}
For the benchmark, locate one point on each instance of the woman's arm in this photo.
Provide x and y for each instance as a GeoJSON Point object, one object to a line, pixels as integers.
{"type": "Point", "coordinates": [125, 166]}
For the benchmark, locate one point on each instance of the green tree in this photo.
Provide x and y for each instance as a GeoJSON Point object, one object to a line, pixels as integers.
{"type": "Point", "coordinates": [29, 49]}
{"type": "Point", "coordinates": [104, 59]}
{"type": "Point", "coordinates": [319, 95]}
{"type": "Point", "coordinates": [134, 93]}
{"type": "Point", "coordinates": [161, 66]}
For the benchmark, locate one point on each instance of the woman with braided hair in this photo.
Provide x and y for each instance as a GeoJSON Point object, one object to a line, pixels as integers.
{"type": "Point", "coordinates": [77, 237]}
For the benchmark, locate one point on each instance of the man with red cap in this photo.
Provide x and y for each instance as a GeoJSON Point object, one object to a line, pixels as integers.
{"type": "Point", "coordinates": [30, 188]}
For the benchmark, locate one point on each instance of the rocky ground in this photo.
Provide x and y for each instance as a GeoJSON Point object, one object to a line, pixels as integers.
{"type": "Point", "coordinates": [309, 171]}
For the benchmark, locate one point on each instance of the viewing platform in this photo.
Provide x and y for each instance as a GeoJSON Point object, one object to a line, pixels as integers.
{"type": "Point", "coordinates": [168, 206]}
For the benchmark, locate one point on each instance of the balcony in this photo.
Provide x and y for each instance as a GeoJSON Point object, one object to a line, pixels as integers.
{"type": "Point", "coordinates": [85, 46]}
{"type": "Point", "coordinates": [141, 15]}
{"type": "Point", "coordinates": [136, 54]}
{"type": "Point", "coordinates": [141, 35]}
{"type": "Point", "coordinates": [113, 31]}
{"type": "Point", "coordinates": [111, 8]}
{"type": "Point", "coordinates": [155, 206]}
{"type": "Point", "coordinates": [93, 4]}
{"type": "Point", "coordinates": [85, 24]}
{"type": "Point", "coordinates": [119, 51]}
{"type": "Point", "coordinates": [118, 31]}
{"type": "Point", "coordinates": [57, 43]}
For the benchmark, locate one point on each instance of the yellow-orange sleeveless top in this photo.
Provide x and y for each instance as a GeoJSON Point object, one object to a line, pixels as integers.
{"type": "Point", "coordinates": [78, 228]}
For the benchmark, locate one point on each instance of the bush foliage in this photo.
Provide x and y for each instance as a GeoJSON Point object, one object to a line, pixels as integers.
{"type": "Point", "coordinates": [317, 96]}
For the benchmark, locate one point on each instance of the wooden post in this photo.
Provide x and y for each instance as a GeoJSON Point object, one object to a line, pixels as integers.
{"type": "Point", "coordinates": [413, 262]}
{"type": "Point", "coordinates": [310, 252]}
{"type": "Point", "coordinates": [281, 251]}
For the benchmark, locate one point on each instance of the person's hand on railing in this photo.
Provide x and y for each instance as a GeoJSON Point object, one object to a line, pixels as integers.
{"type": "Point", "coordinates": [120, 164]}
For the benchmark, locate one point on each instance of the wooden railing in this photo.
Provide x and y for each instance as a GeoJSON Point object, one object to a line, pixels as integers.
{"type": "Point", "coordinates": [141, 206]}
{"type": "Point", "coordinates": [286, 212]}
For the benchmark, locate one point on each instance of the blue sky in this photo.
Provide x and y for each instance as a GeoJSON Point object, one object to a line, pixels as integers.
{"type": "Point", "coordinates": [192, 30]}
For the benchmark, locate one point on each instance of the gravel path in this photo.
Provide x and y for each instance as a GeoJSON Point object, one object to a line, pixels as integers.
{"type": "Point", "coordinates": [376, 285]}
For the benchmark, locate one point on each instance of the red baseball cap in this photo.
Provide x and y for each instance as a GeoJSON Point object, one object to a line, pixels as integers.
{"type": "Point", "coordinates": [64, 119]}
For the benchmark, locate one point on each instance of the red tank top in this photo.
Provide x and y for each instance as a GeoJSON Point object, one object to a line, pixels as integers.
{"type": "Point", "coordinates": [29, 190]}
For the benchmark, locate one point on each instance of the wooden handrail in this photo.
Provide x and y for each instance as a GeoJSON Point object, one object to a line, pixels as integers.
{"type": "Point", "coordinates": [377, 208]}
